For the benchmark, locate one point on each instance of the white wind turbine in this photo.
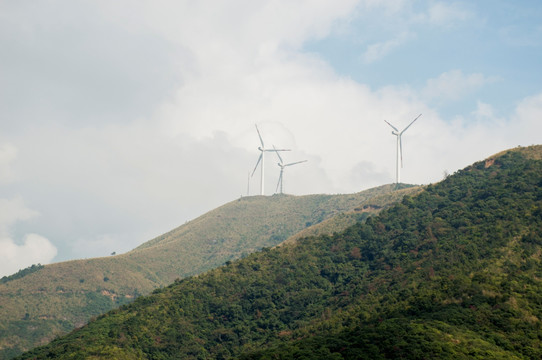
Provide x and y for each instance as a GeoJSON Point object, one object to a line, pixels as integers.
{"type": "Point", "coordinates": [398, 134]}
{"type": "Point", "coordinates": [282, 166]}
{"type": "Point", "coordinates": [262, 158]}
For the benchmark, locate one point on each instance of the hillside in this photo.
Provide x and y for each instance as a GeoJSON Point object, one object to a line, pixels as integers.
{"type": "Point", "coordinates": [51, 300]}
{"type": "Point", "coordinates": [451, 273]}
{"type": "Point", "coordinates": [348, 218]}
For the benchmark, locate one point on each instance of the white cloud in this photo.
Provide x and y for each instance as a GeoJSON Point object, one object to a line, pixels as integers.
{"type": "Point", "coordinates": [484, 111]}
{"type": "Point", "coordinates": [389, 6]}
{"type": "Point", "coordinates": [12, 211]}
{"type": "Point", "coordinates": [35, 248]}
{"type": "Point", "coordinates": [116, 171]}
{"type": "Point", "coordinates": [242, 25]}
{"type": "Point", "coordinates": [379, 50]}
{"type": "Point", "coordinates": [403, 23]}
{"type": "Point", "coordinates": [454, 85]}
{"type": "Point", "coordinates": [8, 153]}
{"type": "Point", "coordinates": [525, 124]}
{"type": "Point", "coordinates": [448, 14]}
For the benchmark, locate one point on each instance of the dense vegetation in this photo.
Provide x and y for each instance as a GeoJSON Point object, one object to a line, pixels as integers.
{"type": "Point", "coordinates": [454, 272]}
{"type": "Point", "coordinates": [21, 273]}
{"type": "Point", "coordinates": [36, 306]}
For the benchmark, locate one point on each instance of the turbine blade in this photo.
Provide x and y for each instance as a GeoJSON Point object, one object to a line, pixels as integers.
{"type": "Point", "coordinates": [411, 123]}
{"type": "Point", "coordinates": [393, 127]}
{"type": "Point", "coordinates": [277, 152]}
{"type": "Point", "coordinates": [260, 136]}
{"type": "Point", "coordinates": [294, 163]}
{"type": "Point", "coordinates": [257, 163]}
{"type": "Point", "coordinates": [277, 149]}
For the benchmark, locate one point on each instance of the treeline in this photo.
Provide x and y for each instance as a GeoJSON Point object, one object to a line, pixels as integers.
{"type": "Point", "coordinates": [21, 273]}
{"type": "Point", "coordinates": [454, 272]}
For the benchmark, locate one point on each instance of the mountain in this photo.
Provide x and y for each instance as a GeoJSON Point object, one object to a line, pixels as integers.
{"type": "Point", "coordinates": [42, 302]}
{"type": "Point", "coordinates": [454, 272]}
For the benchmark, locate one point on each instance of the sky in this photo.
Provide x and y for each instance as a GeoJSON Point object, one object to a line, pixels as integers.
{"type": "Point", "coordinates": [122, 120]}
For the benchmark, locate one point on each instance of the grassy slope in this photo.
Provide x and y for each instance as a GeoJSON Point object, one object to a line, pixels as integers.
{"type": "Point", "coordinates": [454, 272]}
{"type": "Point", "coordinates": [51, 301]}
{"type": "Point", "coordinates": [244, 226]}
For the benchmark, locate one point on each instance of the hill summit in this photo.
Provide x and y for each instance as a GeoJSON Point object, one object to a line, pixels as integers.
{"type": "Point", "coordinates": [451, 273]}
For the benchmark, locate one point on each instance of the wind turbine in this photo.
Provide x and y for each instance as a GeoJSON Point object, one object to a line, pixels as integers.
{"type": "Point", "coordinates": [262, 158]}
{"type": "Point", "coordinates": [398, 134]}
{"type": "Point", "coordinates": [282, 166]}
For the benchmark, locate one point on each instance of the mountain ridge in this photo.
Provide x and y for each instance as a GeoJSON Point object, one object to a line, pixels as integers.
{"type": "Point", "coordinates": [453, 272]}
{"type": "Point", "coordinates": [58, 297]}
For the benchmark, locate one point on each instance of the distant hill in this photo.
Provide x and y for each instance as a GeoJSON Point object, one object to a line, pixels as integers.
{"type": "Point", "coordinates": [42, 302]}
{"type": "Point", "coordinates": [454, 272]}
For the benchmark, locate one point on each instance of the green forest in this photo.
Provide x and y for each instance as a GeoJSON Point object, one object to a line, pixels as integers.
{"type": "Point", "coordinates": [451, 273]}
{"type": "Point", "coordinates": [42, 302]}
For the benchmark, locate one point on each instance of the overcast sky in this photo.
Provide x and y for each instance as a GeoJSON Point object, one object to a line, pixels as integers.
{"type": "Point", "coordinates": [120, 120]}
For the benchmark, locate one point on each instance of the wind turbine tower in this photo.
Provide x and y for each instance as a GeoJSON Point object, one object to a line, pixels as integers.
{"type": "Point", "coordinates": [248, 184]}
{"type": "Point", "coordinates": [282, 166]}
{"type": "Point", "coordinates": [261, 159]}
{"type": "Point", "coordinates": [399, 150]}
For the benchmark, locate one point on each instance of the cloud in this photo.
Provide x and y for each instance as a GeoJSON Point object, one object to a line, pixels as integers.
{"type": "Point", "coordinates": [8, 153]}
{"type": "Point", "coordinates": [448, 14]}
{"type": "Point", "coordinates": [404, 23]}
{"type": "Point", "coordinates": [454, 85]}
{"type": "Point", "coordinates": [379, 50]}
{"type": "Point", "coordinates": [484, 111]}
{"type": "Point", "coordinates": [244, 26]}
{"type": "Point", "coordinates": [35, 248]}
{"type": "Point", "coordinates": [12, 211]}
{"type": "Point", "coordinates": [367, 171]}
{"type": "Point", "coordinates": [68, 64]}
{"type": "Point", "coordinates": [389, 6]}
{"type": "Point", "coordinates": [525, 124]}
{"type": "Point", "coordinates": [152, 121]}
